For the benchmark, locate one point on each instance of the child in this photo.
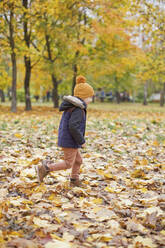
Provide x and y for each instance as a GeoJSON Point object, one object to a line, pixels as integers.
{"type": "Point", "coordinates": [71, 132]}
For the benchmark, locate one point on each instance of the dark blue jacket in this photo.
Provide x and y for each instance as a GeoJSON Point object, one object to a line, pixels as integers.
{"type": "Point", "coordinates": [72, 125]}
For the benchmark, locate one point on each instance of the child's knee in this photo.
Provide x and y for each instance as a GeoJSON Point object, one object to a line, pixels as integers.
{"type": "Point", "coordinates": [79, 161]}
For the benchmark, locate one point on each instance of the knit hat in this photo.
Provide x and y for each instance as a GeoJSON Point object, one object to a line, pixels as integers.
{"type": "Point", "coordinates": [82, 89]}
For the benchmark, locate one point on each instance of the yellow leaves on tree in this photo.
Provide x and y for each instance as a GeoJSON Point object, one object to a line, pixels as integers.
{"type": "Point", "coordinates": [5, 80]}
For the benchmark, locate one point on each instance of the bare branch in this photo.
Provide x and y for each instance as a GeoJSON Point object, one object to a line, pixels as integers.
{"type": "Point", "coordinates": [6, 18]}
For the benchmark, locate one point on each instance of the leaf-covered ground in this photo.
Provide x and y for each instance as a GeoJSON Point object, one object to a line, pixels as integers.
{"type": "Point", "coordinates": [122, 201]}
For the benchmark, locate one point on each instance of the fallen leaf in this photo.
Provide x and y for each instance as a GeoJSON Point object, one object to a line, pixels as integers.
{"type": "Point", "coordinates": [146, 242]}
{"type": "Point", "coordinates": [20, 242]}
{"type": "Point", "coordinates": [59, 244]}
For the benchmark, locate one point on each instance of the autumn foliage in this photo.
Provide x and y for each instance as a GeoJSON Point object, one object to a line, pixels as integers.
{"type": "Point", "coordinates": [121, 203]}
{"type": "Point", "coordinates": [44, 45]}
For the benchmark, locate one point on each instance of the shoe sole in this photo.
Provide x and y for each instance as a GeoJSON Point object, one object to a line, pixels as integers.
{"type": "Point", "coordinates": [37, 172]}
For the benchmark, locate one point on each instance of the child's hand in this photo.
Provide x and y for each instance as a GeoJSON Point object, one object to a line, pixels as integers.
{"type": "Point", "coordinates": [83, 145]}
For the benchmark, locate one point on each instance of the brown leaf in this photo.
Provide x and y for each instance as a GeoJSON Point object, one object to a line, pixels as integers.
{"type": "Point", "coordinates": [22, 243]}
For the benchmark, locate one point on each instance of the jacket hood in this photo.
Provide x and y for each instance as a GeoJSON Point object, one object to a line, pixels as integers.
{"type": "Point", "coordinates": [70, 102]}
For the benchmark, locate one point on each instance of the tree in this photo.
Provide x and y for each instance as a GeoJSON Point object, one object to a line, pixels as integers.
{"type": "Point", "coordinates": [150, 20]}
{"type": "Point", "coordinates": [114, 56]}
{"type": "Point", "coordinates": [31, 55]}
{"type": "Point", "coordinates": [4, 83]}
{"type": "Point", "coordinates": [80, 36]}
{"type": "Point", "coordinates": [51, 41]}
{"type": "Point", "coordinates": [5, 78]}
{"type": "Point", "coordinates": [8, 27]}
{"type": "Point", "coordinates": [27, 60]}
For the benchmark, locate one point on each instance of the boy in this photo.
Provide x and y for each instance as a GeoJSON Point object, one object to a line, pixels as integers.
{"type": "Point", "coordinates": [71, 132]}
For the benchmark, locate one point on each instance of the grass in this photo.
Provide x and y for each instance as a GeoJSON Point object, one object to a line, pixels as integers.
{"type": "Point", "coordinates": [110, 107]}
{"type": "Point", "coordinates": [122, 107]}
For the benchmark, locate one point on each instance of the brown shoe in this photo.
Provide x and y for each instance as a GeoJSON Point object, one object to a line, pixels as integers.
{"type": "Point", "coordinates": [42, 170]}
{"type": "Point", "coordinates": [74, 182]}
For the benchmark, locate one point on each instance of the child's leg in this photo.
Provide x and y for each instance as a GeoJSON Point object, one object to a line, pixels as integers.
{"type": "Point", "coordinates": [76, 166]}
{"type": "Point", "coordinates": [67, 163]}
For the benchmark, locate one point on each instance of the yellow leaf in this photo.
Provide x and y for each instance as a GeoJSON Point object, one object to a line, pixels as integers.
{"type": "Point", "coordinates": [108, 175]}
{"type": "Point", "coordinates": [138, 174]}
{"type": "Point", "coordinates": [162, 232]}
{"type": "Point", "coordinates": [18, 135]}
{"type": "Point", "coordinates": [1, 237]}
{"type": "Point", "coordinates": [35, 127]}
{"type": "Point", "coordinates": [137, 162]}
{"type": "Point", "coordinates": [35, 161]}
{"type": "Point", "coordinates": [58, 220]}
{"type": "Point", "coordinates": [146, 242]}
{"type": "Point", "coordinates": [15, 234]}
{"type": "Point", "coordinates": [100, 172]}
{"type": "Point", "coordinates": [98, 201]}
{"type": "Point", "coordinates": [144, 162]}
{"type": "Point", "coordinates": [100, 237]}
{"type": "Point", "coordinates": [87, 155]}
{"type": "Point", "coordinates": [41, 188]}
{"type": "Point", "coordinates": [106, 237]}
{"type": "Point", "coordinates": [40, 233]}
{"type": "Point", "coordinates": [53, 197]}
{"type": "Point", "coordinates": [56, 201]}
{"type": "Point", "coordinates": [1, 215]}
{"type": "Point", "coordinates": [155, 143]}
{"type": "Point", "coordinates": [150, 152]}
{"type": "Point", "coordinates": [54, 236]}
{"type": "Point", "coordinates": [143, 190]}
{"type": "Point", "coordinates": [110, 190]}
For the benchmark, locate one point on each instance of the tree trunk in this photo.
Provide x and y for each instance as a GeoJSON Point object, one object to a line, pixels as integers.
{"type": "Point", "coordinates": [14, 83]}
{"type": "Point", "coordinates": [9, 93]}
{"type": "Point", "coordinates": [14, 65]}
{"type": "Point", "coordinates": [55, 97]}
{"type": "Point", "coordinates": [55, 92]}
{"type": "Point", "coordinates": [117, 93]}
{"type": "Point", "coordinates": [27, 60]}
{"type": "Point", "coordinates": [75, 69]}
{"type": "Point", "coordinates": [118, 100]}
{"type": "Point", "coordinates": [27, 83]}
{"type": "Point", "coordinates": [133, 96]}
{"type": "Point", "coordinates": [2, 96]}
{"type": "Point", "coordinates": [145, 94]}
{"type": "Point", "coordinates": [162, 96]}
{"type": "Point", "coordinates": [74, 77]}
{"type": "Point", "coordinates": [82, 17]}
